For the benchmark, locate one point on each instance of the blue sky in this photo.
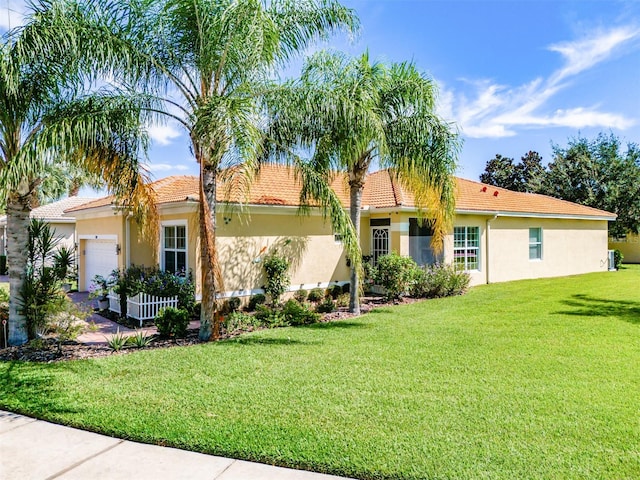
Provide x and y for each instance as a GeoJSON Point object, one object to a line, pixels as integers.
{"type": "Point", "coordinates": [513, 76]}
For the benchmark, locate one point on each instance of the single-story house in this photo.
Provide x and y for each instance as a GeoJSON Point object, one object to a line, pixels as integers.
{"type": "Point", "coordinates": [52, 213]}
{"type": "Point", "coordinates": [498, 235]}
{"type": "Point", "coordinates": [629, 246]}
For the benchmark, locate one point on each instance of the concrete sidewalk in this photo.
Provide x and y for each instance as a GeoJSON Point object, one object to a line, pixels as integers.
{"type": "Point", "coordinates": [35, 449]}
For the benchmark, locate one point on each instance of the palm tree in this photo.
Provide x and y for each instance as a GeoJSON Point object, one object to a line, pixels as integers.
{"type": "Point", "coordinates": [206, 62]}
{"type": "Point", "coordinates": [350, 112]}
{"type": "Point", "coordinates": [46, 118]}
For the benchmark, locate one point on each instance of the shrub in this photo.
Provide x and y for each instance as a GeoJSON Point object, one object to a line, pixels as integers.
{"type": "Point", "coordinates": [172, 322]}
{"type": "Point", "coordinates": [232, 305]}
{"type": "Point", "coordinates": [395, 273]}
{"type": "Point", "coordinates": [439, 280]}
{"type": "Point", "coordinates": [315, 295]}
{"type": "Point", "coordinates": [270, 317]}
{"type": "Point", "coordinates": [300, 295]}
{"type": "Point", "coordinates": [326, 306]}
{"type": "Point", "coordinates": [40, 291]}
{"type": "Point", "coordinates": [255, 300]}
{"type": "Point", "coordinates": [276, 269]}
{"type": "Point", "coordinates": [117, 341]}
{"type": "Point", "coordinates": [153, 281]}
{"type": "Point", "coordinates": [295, 313]}
{"type": "Point", "coordinates": [239, 322]}
{"type": "Point", "coordinates": [3, 265]}
{"type": "Point", "coordinates": [334, 291]}
{"type": "Point", "coordinates": [4, 296]}
{"type": "Point", "coordinates": [617, 258]}
{"type": "Point", "coordinates": [343, 300]}
{"type": "Point", "coordinates": [67, 321]}
{"type": "Point", "coordinates": [140, 339]}
{"type": "Point", "coordinates": [346, 288]}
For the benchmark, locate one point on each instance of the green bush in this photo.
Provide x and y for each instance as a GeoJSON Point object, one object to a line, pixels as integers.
{"type": "Point", "coordinates": [232, 304]}
{"type": "Point", "coordinates": [3, 265]}
{"type": "Point", "coordinates": [343, 300]}
{"type": "Point", "coordinates": [153, 281]}
{"type": "Point", "coordinates": [172, 322]}
{"type": "Point", "coordinates": [439, 280]}
{"type": "Point", "coordinates": [255, 300]}
{"type": "Point", "coordinates": [334, 291]}
{"type": "Point", "coordinates": [117, 341]}
{"type": "Point", "coordinates": [617, 258]}
{"type": "Point", "coordinates": [270, 316]}
{"type": "Point", "coordinates": [295, 313]}
{"type": "Point", "coordinates": [395, 273]}
{"type": "Point", "coordinates": [315, 295]}
{"type": "Point", "coordinates": [276, 269]}
{"type": "Point", "coordinates": [326, 306]}
{"type": "Point", "coordinates": [240, 322]}
{"type": "Point", "coordinates": [4, 296]}
{"type": "Point", "coordinates": [300, 295]}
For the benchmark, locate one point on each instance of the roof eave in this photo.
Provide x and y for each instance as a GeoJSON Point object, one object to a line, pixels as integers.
{"type": "Point", "coordinates": [566, 216]}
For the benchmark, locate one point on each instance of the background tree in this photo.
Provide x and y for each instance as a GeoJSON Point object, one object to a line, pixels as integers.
{"type": "Point", "coordinates": [351, 113]}
{"type": "Point", "coordinates": [530, 173]}
{"type": "Point", "coordinates": [46, 117]}
{"type": "Point", "coordinates": [526, 176]}
{"type": "Point", "coordinates": [206, 62]}
{"type": "Point", "coordinates": [597, 173]}
{"type": "Point", "coordinates": [500, 172]}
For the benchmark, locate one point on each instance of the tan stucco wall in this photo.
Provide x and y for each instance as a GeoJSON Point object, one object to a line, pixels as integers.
{"type": "Point", "coordinates": [477, 276]}
{"type": "Point", "coordinates": [569, 247]}
{"type": "Point", "coordinates": [102, 225]}
{"type": "Point", "coordinates": [629, 246]}
{"type": "Point", "coordinates": [308, 242]}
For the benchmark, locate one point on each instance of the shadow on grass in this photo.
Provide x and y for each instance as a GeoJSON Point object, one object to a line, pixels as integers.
{"type": "Point", "coordinates": [30, 388]}
{"type": "Point", "coordinates": [334, 325]}
{"type": "Point", "coordinates": [588, 306]}
{"type": "Point", "coordinates": [254, 340]}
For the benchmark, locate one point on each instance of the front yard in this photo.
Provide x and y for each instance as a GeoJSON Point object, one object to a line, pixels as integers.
{"type": "Point", "coordinates": [530, 379]}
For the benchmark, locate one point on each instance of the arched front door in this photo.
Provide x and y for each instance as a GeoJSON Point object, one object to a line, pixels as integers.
{"type": "Point", "coordinates": [379, 243]}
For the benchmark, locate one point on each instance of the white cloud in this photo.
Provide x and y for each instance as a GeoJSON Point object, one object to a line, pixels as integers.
{"type": "Point", "coordinates": [163, 134]}
{"type": "Point", "coordinates": [583, 54]}
{"type": "Point", "coordinates": [165, 167]}
{"type": "Point", "coordinates": [495, 110]}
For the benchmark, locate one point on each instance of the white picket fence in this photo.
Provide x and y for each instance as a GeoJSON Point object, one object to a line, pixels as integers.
{"type": "Point", "coordinates": [142, 306]}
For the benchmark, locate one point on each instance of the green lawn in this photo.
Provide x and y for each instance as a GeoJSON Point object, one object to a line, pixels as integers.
{"type": "Point", "coordinates": [531, 379]}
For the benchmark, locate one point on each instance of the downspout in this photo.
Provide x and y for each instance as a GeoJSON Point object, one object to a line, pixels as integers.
{"type": "Point", "coordinates": [488, 243]}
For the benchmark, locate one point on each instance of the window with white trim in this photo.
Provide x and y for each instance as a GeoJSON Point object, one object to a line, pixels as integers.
{"type": "Point", "coordinates": [174, 248]}
{"type": "Point", "coordinates": [535, 243]}
{"type": "Point", "coordinates": [466, 248]}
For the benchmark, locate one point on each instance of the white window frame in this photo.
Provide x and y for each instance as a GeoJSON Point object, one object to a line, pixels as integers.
{"type": "Point", "coordinates": [536, 244]}
{"type": "Point", "coordinates": [174, 223]}
{"type": "Point", "coordinates": [466, 247]}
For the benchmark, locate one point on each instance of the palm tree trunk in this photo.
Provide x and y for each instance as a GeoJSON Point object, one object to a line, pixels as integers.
{"type": "Point", "coordinates": [18, 210]}
{"type": "Point", "coordinates": [355, 189]}
{"type": "Point", "coordinates": [210, 271]}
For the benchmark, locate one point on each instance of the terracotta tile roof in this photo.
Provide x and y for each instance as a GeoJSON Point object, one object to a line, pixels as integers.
{"type": "Point", "coordinates": [276, 185]}
{"type": "Point", "coordinates": [54, 211]}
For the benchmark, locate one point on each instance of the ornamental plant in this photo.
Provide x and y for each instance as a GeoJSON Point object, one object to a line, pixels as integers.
{"type": "Point", "coordinates": [395, 273]}
{"type": "Point", "coordinates": [276, 268]}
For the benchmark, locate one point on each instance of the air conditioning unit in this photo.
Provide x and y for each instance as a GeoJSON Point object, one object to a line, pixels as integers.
{"type": "Point", "coordinates": [612, 260]}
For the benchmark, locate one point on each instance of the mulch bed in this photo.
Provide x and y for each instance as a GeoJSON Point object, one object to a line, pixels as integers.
{"type": "Point", "coordinates": [48, 350]}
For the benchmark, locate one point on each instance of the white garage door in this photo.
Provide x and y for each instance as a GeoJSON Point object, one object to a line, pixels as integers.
{"type": "Point", "coordinates": [100, 259]}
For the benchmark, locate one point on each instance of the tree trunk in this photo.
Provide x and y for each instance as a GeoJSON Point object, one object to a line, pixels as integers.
{"type": "Point", "coordinates": [356, 187]}
{"type": "Point", "coordinates": [18, 210]}
{"type": "Point", "coordinates": [209, 323]}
